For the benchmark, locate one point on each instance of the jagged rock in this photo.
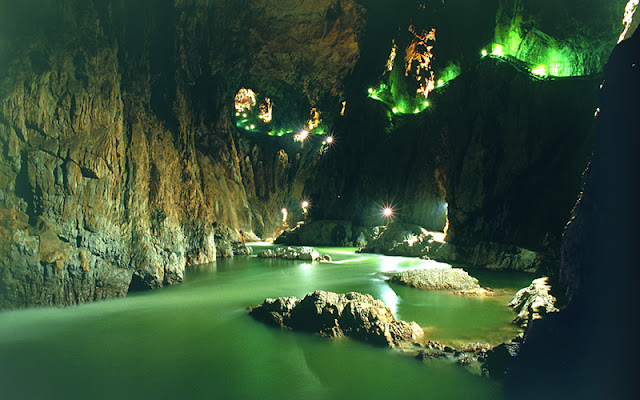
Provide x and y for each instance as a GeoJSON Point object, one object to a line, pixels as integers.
{"type": "Point", "coordinates": [455, 280]}
{"type": "Point", "coordinates": [294, 253]}
{"type": "Point", "coordinates": [472, 355]}
{"type": "Point", "coordinates": [533, 302]}
{"type": "Point", "coordinates": [330, 314]}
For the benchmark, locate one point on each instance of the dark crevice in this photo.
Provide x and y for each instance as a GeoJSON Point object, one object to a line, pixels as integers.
{"type": "Point", "coordinates": [138, 284]}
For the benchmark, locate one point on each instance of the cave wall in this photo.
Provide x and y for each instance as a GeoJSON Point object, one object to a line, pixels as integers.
{"type": "Point", "coordinates": [120, 150]}
{"type": "Point", "coordinates": [119, 153]}
{"type": "Point", "coordinates": [499, 150]}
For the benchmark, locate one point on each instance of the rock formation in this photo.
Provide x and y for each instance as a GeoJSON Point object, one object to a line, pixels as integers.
{"type": "Point", "coordinates": [119, 151]}
{"type": "Point", "coordinates": [120, 147]}
{"type": "Point", "coordinates": [599, 271]}
{"type": "Point", "coordinates": [294, 253]}
{"type": "Point", "coordinates": [455, 280]}
{"type": "Point", "coordinates": [352, 314]}
{"type": "Point", "coordinates": [533, 302]}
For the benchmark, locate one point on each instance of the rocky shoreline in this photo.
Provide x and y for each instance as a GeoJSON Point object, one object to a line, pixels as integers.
{"type": "Point", "coordinates": [366, 319]}
{"type": "Point", "coordinates": [407, 240]}
{"type": "Point", "coordinates": [295, 253]}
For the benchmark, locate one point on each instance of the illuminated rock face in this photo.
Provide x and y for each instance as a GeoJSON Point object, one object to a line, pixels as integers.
{"type": "Point", "coordinates": [119, 149]}
{"type": "Point", "coordinates": [356, 315]}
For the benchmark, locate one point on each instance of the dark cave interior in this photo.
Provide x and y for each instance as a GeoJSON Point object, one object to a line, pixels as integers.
{"type": "Point", "coordinates": [124, 148]}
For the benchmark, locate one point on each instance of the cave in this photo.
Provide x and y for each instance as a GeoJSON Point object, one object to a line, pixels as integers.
{"type": "Point", "coordinates": [166, 164]}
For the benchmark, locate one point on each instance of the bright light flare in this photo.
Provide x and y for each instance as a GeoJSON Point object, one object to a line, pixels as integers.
{"type": "Point", "coordinates": [387, 212]}
{"type": "Point", "coordinates": [304, 205]}
{"type": "Point", "coordinates": [484, 53]}
{"type": "Point", "coordinates": [329, 140]}
{"type": "Point", "coordinates": [301, 136]}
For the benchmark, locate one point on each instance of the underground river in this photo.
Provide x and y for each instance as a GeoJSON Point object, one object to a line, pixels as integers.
{"type": "Point", "coordinates": [196, 340]}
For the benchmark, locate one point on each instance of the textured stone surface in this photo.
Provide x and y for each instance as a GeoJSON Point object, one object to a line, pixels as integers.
{"type": "Point", "coordinates": [456, 280]}
{"type": "Point", "coordinates": [118, 149]}
{"type": "Point", "coordinates": [533, 302]}
{"type": "Point", "coordinates": [330, 314]}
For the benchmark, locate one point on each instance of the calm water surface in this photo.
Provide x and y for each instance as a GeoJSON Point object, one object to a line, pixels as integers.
{"type": "Point", "coordinates": [196, 341]}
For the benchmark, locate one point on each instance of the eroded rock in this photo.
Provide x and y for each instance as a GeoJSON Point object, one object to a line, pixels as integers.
{"type": "Point", "coordinates": [331, 314]}
{"type": "Point", "coordinates": [456, 280]}
{"type": "Point", "coordinates": [533, 302]}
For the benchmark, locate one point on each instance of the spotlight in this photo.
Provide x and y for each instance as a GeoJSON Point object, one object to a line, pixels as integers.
{"type": "Point", "coordinates": [304, 205]}
{"type": "Point", "coordinates": [426, 104]}
{"type": "Point", "coordinates": [387, 212]}
{"type": "Point", "coordinates": [370, 90]}
{"type": "Point", "coordinates": [395, 110]}
{"type": "Point", "coordinates": [304, 134]}
{"type": "Point", "coordinates": [253, 126]}
{"type": "Point", "coordinates": [244, 115]}
{"type": "Point", "coordinates": [484, 53]}
{"type": "Point", "coordinates": [329, 139]}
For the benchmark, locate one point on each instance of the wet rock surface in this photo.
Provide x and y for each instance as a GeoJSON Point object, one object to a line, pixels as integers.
{"type": "Point", "coordinates": [294, 253]}
{"type": "Point", "coordinates": [455, 280]}
{"type": "Point", "coordinates": [533, 302]}
{"type": "Point", "coordinates": [355, 315]}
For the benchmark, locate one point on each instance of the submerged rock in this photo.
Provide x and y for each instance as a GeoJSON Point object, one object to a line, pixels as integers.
{"type": "Point", "coordinates": [330, 314]}
{"type": "Point", "coordinates": [456, 280]}
{"type": "Point", "coordinates": [533, 302]}
{"type": "Point", "coordinates": [294, 253]}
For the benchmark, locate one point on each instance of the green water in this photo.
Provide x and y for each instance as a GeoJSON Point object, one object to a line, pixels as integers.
{"type": "Point", "coordinates": [196, 341]}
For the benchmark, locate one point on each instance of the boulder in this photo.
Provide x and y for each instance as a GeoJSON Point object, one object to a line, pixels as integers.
{"type": "Point", "coordinates": [455, 280]}
{"type": "Point", "coordinates": [330, 314]}
{"type": "Point", "coordinates": [533, 302]}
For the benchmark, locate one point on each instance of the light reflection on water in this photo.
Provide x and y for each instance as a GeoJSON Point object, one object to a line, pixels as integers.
{"type": "Point", "coordinates": [196, 340]}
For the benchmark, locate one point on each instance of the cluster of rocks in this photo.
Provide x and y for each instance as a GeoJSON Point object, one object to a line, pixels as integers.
{"type": "Point", "coordinates": [356, 315]}
{"type": "Point", "coordinates": [455, 280]}
{"type": "Point", "coordinates": [533, 302]}
{"type": "Point", "coordinates": [407, 240]}
{"type": "Point", "coordinates": [295, 253]}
